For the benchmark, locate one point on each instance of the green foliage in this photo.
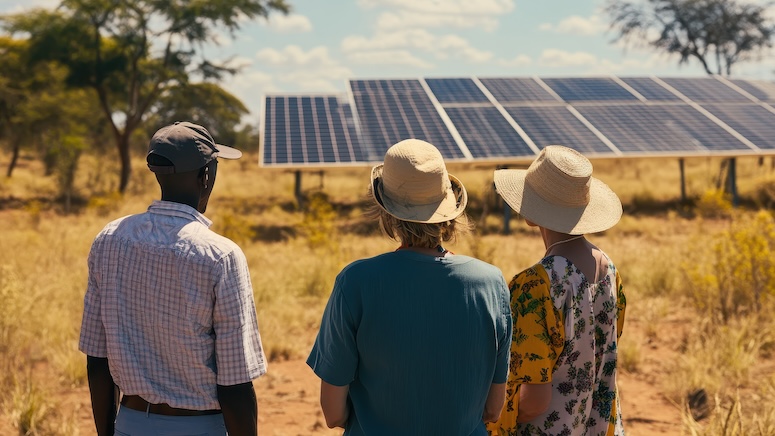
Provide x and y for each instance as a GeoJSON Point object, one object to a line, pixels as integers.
{"type": "Point", "coordinates": [203, 103]}
{"type": "Point", "coordinates": [724, 31]}
{"type": "Point", "coordinates": [732, 273]}
{"type": "Point", "coordinates": [135, 52]}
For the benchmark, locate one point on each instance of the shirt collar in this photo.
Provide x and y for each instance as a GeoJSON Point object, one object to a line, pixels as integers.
{"type": "Point", "coordinates": [179, 210]}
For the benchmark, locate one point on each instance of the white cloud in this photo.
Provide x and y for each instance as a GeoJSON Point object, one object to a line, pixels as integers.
{"type": "Point", "coordinates": [519, 61]}
{"type": "Point", "coordinates": [389, 57]}
{"type": "Point", "coordinates": [576, 25]}
{"type": "Point", "coordinates": [311, 70]}
{"type": "Point", "coordinates": [292, 23]}
{"type": "Point", "coordinates": [553, 57]}
{"type": "Point", "coordinates": [295, 56]}
{"type": "Point", "coordinates": [459, 7]}
{"type": "Point", "coordinates": [440, 47]}
{"type": "Point", "coordinates": [408, 20]}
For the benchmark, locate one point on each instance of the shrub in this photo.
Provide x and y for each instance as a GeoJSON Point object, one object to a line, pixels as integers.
{"type": "Point", "coordinates": [714, 204]}
{"type": "Point", "coordinates": [732, 273]}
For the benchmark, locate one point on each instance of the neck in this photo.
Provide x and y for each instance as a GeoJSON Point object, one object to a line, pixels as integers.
{"type": "Point", "coordinates": [431, 251]}
{"type": "Point", "coordinates": [553, 239]}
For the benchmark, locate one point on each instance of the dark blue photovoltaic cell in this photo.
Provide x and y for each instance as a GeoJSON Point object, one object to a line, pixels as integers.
{"type": "Point", "coordinates": [764, 91]}
{"type": "Point", "coordinates": [506, 90]}
{"type": "Point", "coordinates": [650, 89]}
{"type": "Point", "coordinates": [308, 130]}
{"type": "Point", "coordinates": [659, 128]}
{"type": "Point", "coordinates": [555, 125]}
{"type": "Point", "coordinates": [456, 91]}
{"type": "Point", "coordinates": [705, 89]}
{"type": "Point", "coordinates": [390, 111]}
{"type": "Point", "coordinates": [487, 133]}
{"type": "Point", "coordinates": [754, 122]}
{"type": "Point", "coordinates": [590, 89]}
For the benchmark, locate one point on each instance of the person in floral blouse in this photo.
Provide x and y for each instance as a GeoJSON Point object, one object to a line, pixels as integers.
{"type": "Point", "coordinates": [567, 309]}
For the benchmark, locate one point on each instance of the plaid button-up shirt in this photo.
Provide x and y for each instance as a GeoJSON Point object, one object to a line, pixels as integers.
{"type": "Point", "coordinates": [170, 304]}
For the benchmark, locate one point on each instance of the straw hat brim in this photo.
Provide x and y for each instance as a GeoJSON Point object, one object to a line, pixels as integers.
{"type": "Point", "coordinates": [451, 206]}
{"type": "Point", "coordinates": [601, 213]}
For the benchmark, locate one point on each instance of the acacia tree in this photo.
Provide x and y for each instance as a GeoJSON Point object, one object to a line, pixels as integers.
{"type": "Point", "coordinates": [203, 103]}
{"type": "Point", "coordinates": [717, 33]}
{"type": "Point", "coordinates": [131, 51]}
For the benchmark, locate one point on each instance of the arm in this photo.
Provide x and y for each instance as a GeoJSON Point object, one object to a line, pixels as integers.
{"type": "Point", "coordinates": [102, 390]}
{"type": "Point", "coordinates": [240, 409]}
{"type": "Point", "coordinates": [333, 401]}
{"type": "Point", "coordinates": [494, 404]}
{"type": "Point", "coordinates": [534, 399]}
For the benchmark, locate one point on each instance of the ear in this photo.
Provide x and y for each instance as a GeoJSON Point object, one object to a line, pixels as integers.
{"type": "Point", "coordinates": [206, 177]}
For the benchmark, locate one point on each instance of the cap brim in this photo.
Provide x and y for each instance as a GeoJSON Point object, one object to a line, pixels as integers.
{"type": "Point", "coordinates": [603, 211]}
{"type": "Point", "coordinates": [226, 152]}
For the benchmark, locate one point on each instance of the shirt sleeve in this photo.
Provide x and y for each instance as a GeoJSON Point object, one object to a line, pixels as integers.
{"type": "Point", "coordinates": [92, 341]}
{"type": "Point", "coordinates": [238, 351]}
{"type": "Point", "coordinates": [504, 334]}
{"type": "Point", "coordinates": [537, 340]}
{"type": "Point", "coordinates": [334, 357]}
{"type": "Point", "coordinates": [621, 305]}
{"type": "Point", "coordinates": [539, 335]}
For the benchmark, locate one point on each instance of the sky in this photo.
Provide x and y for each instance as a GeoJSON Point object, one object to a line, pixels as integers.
{"type": "Point", "coordinates": [321, 44]}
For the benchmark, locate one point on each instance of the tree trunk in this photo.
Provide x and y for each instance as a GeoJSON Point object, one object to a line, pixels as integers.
{"type": "Point", "coordinates": [126, 162]}
{"type": "Point", "coordinates": [14, 159]}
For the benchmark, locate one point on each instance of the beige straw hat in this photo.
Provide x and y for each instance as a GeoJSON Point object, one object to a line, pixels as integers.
{"type": "Point", "coordinates": [413, 184]}
{"type": "Point", "coordinates": [558, 192]}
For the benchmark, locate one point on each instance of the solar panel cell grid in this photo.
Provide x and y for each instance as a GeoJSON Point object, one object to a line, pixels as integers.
{"type": "Point", "coordinates": [589, 89]}
{"type": "Point", "coordinates": [751, 120]}
{"type": "Point", "coordinates": [705, 90]}
{"type": "Point", "coordinates": [659, 128]}
{"type": "Point", "coordinates": [487, 134]}
{"type": "Point", "coordinates": [390, 111]}
{"type": "Point", "coordinates": [764, 91]}
{"type": "Point", "coordinates": [456, 91]}
{"type": "Point", "coordinates": [506, 90]}
{"type": "Point", "coordinates": [557, 126]}
{"type": "Point", "coordinates": [650, 89]}
{"type": "Point", "coordinates": [307, 130]}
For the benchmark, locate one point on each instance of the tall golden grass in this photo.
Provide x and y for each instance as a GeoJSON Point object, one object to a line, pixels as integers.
{"type": "Point", "coordinates": [698, 275]}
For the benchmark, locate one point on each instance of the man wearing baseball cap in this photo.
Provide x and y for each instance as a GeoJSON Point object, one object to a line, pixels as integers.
{"type": "Point", "coordinates": [169, 320]}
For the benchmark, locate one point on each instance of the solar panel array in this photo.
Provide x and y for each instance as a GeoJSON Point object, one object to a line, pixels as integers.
{"type": "Point", "coordinates": [511, 118]}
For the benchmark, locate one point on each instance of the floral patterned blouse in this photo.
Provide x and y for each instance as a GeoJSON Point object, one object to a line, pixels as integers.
{"type": "Point", "coordinates": [565, 333]}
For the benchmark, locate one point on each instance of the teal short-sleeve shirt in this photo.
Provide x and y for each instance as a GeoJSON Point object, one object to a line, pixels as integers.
{"type": "Point", "coordinates": [419, 340]}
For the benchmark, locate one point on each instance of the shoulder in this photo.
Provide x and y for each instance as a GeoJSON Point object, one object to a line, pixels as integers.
{"type": "Point", "coordinates": [530, 280]}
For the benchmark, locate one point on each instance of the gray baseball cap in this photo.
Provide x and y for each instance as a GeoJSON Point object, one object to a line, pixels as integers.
{"type": "Point", "coordinates": [188, 146]}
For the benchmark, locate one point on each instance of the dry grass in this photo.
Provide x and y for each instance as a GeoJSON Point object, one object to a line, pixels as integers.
{"type": "Point", "coordinates": [294, 256]}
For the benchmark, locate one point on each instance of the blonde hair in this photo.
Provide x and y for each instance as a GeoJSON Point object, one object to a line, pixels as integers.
{"type": "Point", "coordinates": [425, 235]}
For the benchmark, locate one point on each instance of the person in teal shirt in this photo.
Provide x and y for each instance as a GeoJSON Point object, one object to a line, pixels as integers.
{"type": "Point", "coordinates": [415, 341]}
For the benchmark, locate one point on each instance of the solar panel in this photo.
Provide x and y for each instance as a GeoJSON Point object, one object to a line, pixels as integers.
{"type": "Point", "coordinates": [555, 125]}
{"type": "Point", "coordinates": [487, 133]}
{"type": "Point", "coordinates": [764, 91]}
{"type": "Point", "coordinates": [514, 90]}
{"type": "Point", "coordinates": [470, 119]}
{"type": "Point", "coordinates": [650, 89]}
{"type": "Point", "coordinates": [456, 91]}
{"type": "Point", "coordinates": [651, 129]}
{"type": "Point", "coordinates": [589, 89]}
{"type": "Point", "coordinates": [705, 89]}
{"type": "Point", "coordinates": [751, 120]}
{"type": "Point", "coordinates": [390, 111]}
{"type": "Point", "coordinates": [303, 130]}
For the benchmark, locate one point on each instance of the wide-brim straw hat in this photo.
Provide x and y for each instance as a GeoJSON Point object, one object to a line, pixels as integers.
{"type": "Point", "coordinates": [413, 184]}
{"type": "Point", "coordinates": [558, 192]}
